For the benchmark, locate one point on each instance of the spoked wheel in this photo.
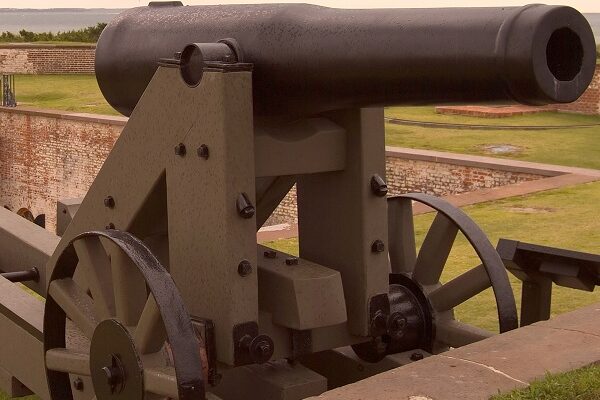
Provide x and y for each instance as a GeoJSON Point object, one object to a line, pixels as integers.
{"type": "Point", "coordinates": [423, 270]}
{"type": "Point", "coordinates": [114, 319]}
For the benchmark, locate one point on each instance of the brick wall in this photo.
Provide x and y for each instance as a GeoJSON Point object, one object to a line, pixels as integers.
{"type": "Point", "coordinates": [48, 59]}
{"type": "Point", "coordinates": [589, 102]}
{"type": "Point", "coordinates": [46, 156]}
{"type": "Point", "coordinates": [50, 155]}
{"type": "Point", "coordinates": [406, 172]}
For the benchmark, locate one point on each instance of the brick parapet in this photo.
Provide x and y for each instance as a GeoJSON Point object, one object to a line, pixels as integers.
{"type": "Point", "coordinates": [47, 59]}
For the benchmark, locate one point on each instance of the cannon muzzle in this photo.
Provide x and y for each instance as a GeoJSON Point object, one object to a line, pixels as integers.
{"type": "Point", "coordinates": [311, 59]}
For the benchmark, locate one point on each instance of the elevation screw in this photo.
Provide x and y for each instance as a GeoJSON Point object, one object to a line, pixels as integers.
{"type": "Point", "coordinates": [180, 150]}
{"type": "Point", "coordinates": [378, 186]}
{"type": "Point", "coordinates": [109, 202]}
{"type": "Point", "coordinates": [378, 246]}
{"type": "Point", "coordinates": [244, 268]}
{"type": "Point", "coordinates": [203, 152]}
{"type": "Point", "coordinates": [245, 207]}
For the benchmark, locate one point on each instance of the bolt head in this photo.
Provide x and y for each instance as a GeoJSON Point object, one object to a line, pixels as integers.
{"type": "Point", "coordinates": [416, 356]}
{"type": "Point", "coordinates": [180, 149]}
{"type": "Point", "coordinates": [244, 268]}
{"type": "Point", "coordinates": [109, 202]}
{"type": "Point", "coordinates": [378, 186]}
{"type": "Point", "coordinates": [270, 254]}
{"type": "Point", "coordinates": [378, 246]}
{"type": "Point", "coordinates": [110, 226]}
{"type": "Point", "coordinates": [78, 384]}
{"type": "Point", "coordinates": [291, 261]}
{"type": "Point", "coordinates": [203, 152]}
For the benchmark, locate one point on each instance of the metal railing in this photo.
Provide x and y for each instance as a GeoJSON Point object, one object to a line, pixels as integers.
{"type": "Point", "coordinates": [7, 91]}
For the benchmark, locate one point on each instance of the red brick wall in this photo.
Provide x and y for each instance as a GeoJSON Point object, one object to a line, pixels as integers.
{"type": "Point", "coordinates": [589, 102]}
{"type": "Point", "coordinates": [50, 59]}
{"type": "Point", "coordinates": [46, 156]}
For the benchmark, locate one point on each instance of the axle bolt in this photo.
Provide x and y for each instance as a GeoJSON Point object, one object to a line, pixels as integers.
{"type": "Point", "coordinates": [245, 207]}
{"type": "Point", "coordinates": [203, 152]}
{"type": "Point", "coordinates": [244, 268]}
{"type": "Point", "coordinates": [109, 202]}
{"type": "Point", "coordinates": [378, 186]}
{"type": "Point", "coordinates": [78, 384]}
{"type": "Point", "coordinates": [260, 348]}
{"type": "Point", "coordinates": [416, 356]}
{"type": "Point", "coordinates": [397, 325]}
{"type": "Point", "coordinates": [270, 254]}
{"type": "Point", "coordinates": [180, 150]}
{"type": "Point", "coordinates": [291, 261]}
{"type": "Point", "coordinates": [378, 246]}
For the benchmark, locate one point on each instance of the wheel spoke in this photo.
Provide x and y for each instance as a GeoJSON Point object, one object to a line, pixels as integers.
{"type": "Point", "coordinates": [96, 264]}
{"type": "Point", "coordinates": [150, 333]}
{"type": "Point", "coordinates": [460, 289]}
{"type": "Point", "coordinates": [76, 304]}
{"type": "Point", "coordinates": [435, 250]}
{"type": "Point", "coordinates": [129, 287]}
{"type": "Point", "coordinates": [161, 381]}
{"type": "Point", "coordinates": [457, 334]}
{"type": "Point", "coordinates": [401, 233]}
{"type": "Point", "coordinates": [64, 360]}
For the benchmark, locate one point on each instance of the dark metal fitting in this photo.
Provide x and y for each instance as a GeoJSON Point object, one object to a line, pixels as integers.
{"type": "Point", "coordinates": [180, 149]}
{"type": "Point", "coordinates": [260, 348]}
{"type": "Point", "coordinates": [244, 268]}
{"type": "Point", "coordinates": [291, 261]}
{"type": "Point", "coordinates": [110, 226]}
{"type": "Point", "coordinates": [177, 55]}
{"type": "Point", "coordinates": [245, 207]}
{"type": "Point", "coordinates": [416, 356]}
{"type": "Point", "coordinates": [115, 376]}
{"type": "Point", "coordinates": [378, 186]}
{"type": "Point", "coordinates": [78, 384]}
{"type": "Point", "coordinates": [378, 246]}
{"type": "Point", "coordinates": [379, 324]}
{"type": "Point", "coordinates": [109, 202]}
{"type": "Point", "coordinates": [203, 152]}
{"type": "Point", "coordinates": [397, 325]}
{"type": "Point", "coordinates": [270, 254]}
{"type": "Point", "coordinates": [22, 276]}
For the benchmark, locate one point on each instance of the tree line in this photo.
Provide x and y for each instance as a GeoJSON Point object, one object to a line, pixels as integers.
{"type": "Point", "coordinates": [85, 35]}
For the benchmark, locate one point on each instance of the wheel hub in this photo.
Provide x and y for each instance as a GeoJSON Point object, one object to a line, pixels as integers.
{"type": "Point", "coordinates": [115, 365]}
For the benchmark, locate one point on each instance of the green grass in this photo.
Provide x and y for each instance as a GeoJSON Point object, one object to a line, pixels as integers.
{"type": "Point", "coordinates": [581, 384]}
{"type": "Point", "coordinates": [572, 147]}
{"type": "Point", "coordinates": [78, 93]}
{"type": "Point", "coordinates": [566, 218]}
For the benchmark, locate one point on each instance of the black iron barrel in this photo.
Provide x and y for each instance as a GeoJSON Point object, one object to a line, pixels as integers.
{"type": "Point", "coordinates": [310, 59]}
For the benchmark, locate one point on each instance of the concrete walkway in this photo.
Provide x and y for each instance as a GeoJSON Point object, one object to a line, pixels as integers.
{"type": "Point", "coordinates": [498, 364]}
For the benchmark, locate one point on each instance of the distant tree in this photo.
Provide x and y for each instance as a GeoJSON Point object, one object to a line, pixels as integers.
{"type": "Point", "coordinates": [91, 34]}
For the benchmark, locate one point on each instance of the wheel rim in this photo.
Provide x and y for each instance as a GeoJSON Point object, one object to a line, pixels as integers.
{"type": "Point", "coordinates": [426, 266]}
{"type": "Point", "coordinates": [156, 320]}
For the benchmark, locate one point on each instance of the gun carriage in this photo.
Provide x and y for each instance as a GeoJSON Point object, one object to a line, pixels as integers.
{"type": "Point", "coordinates": [157, 287]}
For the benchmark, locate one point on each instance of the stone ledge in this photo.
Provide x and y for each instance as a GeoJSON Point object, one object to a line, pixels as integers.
{"type": "Point", "coordinates": [498, 364]}
{"type": "Point", "coordinates": [486, 162]}
{"type": "Point", "coordinates": [67, 115]}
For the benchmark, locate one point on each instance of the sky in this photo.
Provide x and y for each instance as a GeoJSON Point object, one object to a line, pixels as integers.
{"type": "Point", "coordinates": [586, 6]}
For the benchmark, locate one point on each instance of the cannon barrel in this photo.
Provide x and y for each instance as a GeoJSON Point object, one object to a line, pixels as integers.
{"type": "Point", "coordinates": [311, 59]}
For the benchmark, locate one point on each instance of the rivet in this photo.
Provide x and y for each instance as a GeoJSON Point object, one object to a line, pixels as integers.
{"type": "Point", "coordinates": [378, 246]}
{"type": "Point", "coordinates": [270, 254]}
{"type": "Point", "coordinates": [203, 152]}
{"type": "Point", "coordinates": [109, 202]}
{"type": "Point", "coordinates": [78, 384]}
{"type": "Point", "coordinates": [244, 268]}
{"type": "Point", "coordinates": [180, 149]}
{"type": "Point", "coordinates": [291, 261]}
{"type": "Point", "coordinates": [110, 226]}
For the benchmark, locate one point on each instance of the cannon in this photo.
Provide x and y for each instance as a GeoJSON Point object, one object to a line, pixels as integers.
{"type": "Point", "coordinates": [157, 287]}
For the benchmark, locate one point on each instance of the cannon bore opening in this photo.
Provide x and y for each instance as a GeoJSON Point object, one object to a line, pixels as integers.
{"type": "Point", "coordinates": [564, 54]}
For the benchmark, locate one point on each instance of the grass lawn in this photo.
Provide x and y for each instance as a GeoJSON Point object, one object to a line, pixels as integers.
{"type": "Point", "coordinates": [579, 147]}
{"type": "Point", "coordinates": [79, 93]}
{"type": "Point", "coordinates": [581, 384]}
{"type": "Point", "coordinates": [567, 218]}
